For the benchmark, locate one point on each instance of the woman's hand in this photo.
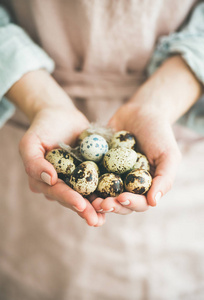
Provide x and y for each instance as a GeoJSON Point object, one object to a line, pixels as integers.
{"type": "Point", "coordinates": [158, 103]}
{"type": "Point", "coordinates": [53, 119]}
{"type": "Point", "coordinates": [49, 127]}
{"type": "Point", "coordinates": [156, 140]}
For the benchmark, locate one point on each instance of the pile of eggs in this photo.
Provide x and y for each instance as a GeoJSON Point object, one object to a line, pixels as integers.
{"type": "Point", "coordinates": [108, 169]}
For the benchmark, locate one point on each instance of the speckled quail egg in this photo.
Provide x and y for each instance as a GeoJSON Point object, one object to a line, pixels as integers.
{"type": "Point", "coordinates": [123, 139]}
{"type": "Point", "coordinates": [109, 185]}
{"type": "Point", "coordinates": [82, 135]}
{"type": "Point", "coordinates": [138, 181]}
{"type": "Point", "coordinates": [62, 161]}
{"type": "Point", "coordinates": [96, 167]}
{"type": "Point", "coordinates": [119, 160]}
{"type": "Point", "coordinates": [93, 147]}
{"type": "Point", "coordinates": [141, 162]}
{"type": "Point", "coordinates": [84, 179]}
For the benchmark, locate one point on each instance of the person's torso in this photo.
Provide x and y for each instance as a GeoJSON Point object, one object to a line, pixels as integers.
{"type": "Point", "coordinates": [101, 48]}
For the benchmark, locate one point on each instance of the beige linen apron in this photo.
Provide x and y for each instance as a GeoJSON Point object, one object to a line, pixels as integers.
{"type": "Point", "coordinates": [101, 49]}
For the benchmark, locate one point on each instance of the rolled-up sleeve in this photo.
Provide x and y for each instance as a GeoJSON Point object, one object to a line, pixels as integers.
{"type": "Point", "coordinates": [18, 55]}
{"type": "Point", "coordinates": [189, 43]}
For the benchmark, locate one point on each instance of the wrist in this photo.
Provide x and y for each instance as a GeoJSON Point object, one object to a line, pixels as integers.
{"type": "Point", "coordinates": [37, 91]}
{"type": "Point", "coordinates": [171, 90]}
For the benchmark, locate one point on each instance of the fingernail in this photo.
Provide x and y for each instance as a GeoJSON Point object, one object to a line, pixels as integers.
{"type": "Point", "coordinates": [109, 210]}
{"type": "Point", "coordinates": [46, 178]}
{"type": "Point", "coordinates": [100, 210]}
{"type": "Point", "coordinates": [78, 209]}
{"type": "Point", "coordinates": [125, 202]}
{"type": "Point", "coordinates": [158, 197]}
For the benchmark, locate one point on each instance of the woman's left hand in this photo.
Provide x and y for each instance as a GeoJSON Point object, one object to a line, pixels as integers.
{"type": "Point", "coordinates": [156, 140]}
{"type": "Point", "coordinates": [158, 103]}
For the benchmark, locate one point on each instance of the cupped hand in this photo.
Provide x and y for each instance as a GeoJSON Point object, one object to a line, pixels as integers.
{"type": "Point", "coordinates": [156, 140]}
{"type": "Point", "coordinates": [50, 126]}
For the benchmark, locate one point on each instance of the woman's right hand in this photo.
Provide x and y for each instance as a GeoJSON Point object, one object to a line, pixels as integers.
{"type": "Point", "coordinates": [53, 120]}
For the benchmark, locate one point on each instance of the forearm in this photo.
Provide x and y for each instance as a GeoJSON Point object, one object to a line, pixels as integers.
{"type": "Point", "coordinates": [37, 90]}
{"type": "Point", "coordinates": [171, 90]}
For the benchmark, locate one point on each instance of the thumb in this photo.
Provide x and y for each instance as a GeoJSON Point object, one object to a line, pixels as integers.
{"type": "Point", "coordinates": [164, 176]}
{"type": "Point", "coordinates": [36, 166]}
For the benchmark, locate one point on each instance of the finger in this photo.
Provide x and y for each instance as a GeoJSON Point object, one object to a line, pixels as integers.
{"type": "Point", "coordinates": [101, 220]}
{"type": "Point", "coordinates": [133, 202]}
{"type": "Point", "coordinates": [68, 198]}
{"type": "Point", "coordinates": [61, 193]}
{"type": "Point", "coordinates": [36, 166]}
{"type": "Point", "coordinates": [110, 204]}
{"type": "Point", "coordinates": [89, 214]}
{"type": "Point", "coordinates": [166, 168]}
{"type": "Point", "coordinates": [97, 204]}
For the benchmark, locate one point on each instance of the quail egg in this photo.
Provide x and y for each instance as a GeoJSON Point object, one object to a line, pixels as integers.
{"type": "Point", "coordinates": [119, 160]}
{"type": "Point", "coordinates": [93, 147]}
{"type": "Point", "coordinates": [138, 181]}
{"type": "Point", "coordinates": [95, 166]}
{"type": "Point", "coordinates": [82, 135]}
{"type": "Point", "coordinates": [62, 161]}
{"type": "Point", "coordinates": [84, 179]}
{"type": "Point", "coordinates": [141, 162]}
{"type": "Point", "coordinates": [123, 139]}
{"type": "Point", "coordinates": [109, 185]}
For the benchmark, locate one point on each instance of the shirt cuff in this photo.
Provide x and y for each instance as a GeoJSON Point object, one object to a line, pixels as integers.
{"type": "Point", "coordinates": [190, 46]}
{"type": "Point", "coordinates": [18, 55]}
{"type": "Point", "coordinates": [189, 43]}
